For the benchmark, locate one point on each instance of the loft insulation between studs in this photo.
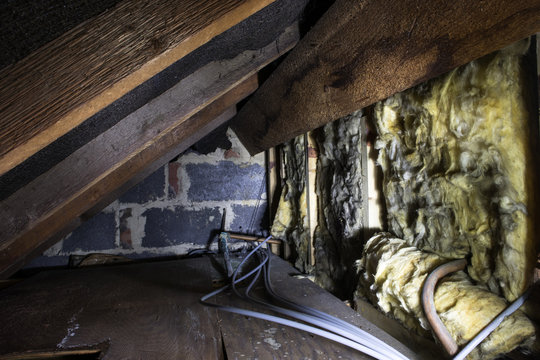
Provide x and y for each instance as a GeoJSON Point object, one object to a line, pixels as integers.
{"type": "Point", "coordinates": [291, 223]}
{"type": "Point", "coordinates": [392, 274]}
{"type": "Point", "coordinates": [338, 236]}
{"type": "Point", "coordinates": [456, 162]}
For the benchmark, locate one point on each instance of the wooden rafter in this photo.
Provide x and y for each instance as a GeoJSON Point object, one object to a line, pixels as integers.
{"type": "Point", "coordinates": [121, 156]}
{"type": "Point", "coordinates": [364, 51]}
{"type": "Point", "coordinates": [66, 81]}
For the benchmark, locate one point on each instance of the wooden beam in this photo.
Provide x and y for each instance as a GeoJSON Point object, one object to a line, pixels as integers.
{"type": "Point", "coordinates": [148, 137]}
{"type": "Point", "coordinates": [66, 81]}
{"type": "Point", "coordinates": [363, 51]}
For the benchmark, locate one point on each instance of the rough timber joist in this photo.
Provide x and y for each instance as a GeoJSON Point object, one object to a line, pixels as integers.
{"type": "Point", "coordinates": [364, 51]}
{"type": "Point", "coordinates": [71, 78]}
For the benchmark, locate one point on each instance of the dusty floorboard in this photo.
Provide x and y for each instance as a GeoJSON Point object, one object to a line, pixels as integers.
{"type": "Point", "coordinates": [152, 310]}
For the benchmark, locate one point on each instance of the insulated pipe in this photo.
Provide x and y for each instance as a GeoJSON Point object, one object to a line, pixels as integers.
{"type": "Point", "coordinates": [429, 305]}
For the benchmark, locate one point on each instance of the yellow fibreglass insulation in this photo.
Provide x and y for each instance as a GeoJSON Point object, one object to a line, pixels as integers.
{"type": "Point", "coordinates": [290, 222]}
{"type": "Point", "coordinates": [392, 276]}
{"type": "Point", "coordinates": [457, 183]}
{"type": "Point", "coordinates": [455, 158]}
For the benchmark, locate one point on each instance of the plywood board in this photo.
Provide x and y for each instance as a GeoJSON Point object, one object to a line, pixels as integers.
{"type": "Point", "coordinates": [151, 310]}
{"type": "Point", "coordinates": [268, 340]}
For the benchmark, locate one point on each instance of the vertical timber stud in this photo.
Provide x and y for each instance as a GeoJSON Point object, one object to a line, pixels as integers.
{"type": "Point", "coordinates": [374, 209]}
{"type": "Point", "coordinates": [281, 156]}
{"type": "Point", "coordinates": [272, 189]}
{"type": "Point", "coordinates": [311, 159]}
{"type": "Point", "coordinates": [537, 38]}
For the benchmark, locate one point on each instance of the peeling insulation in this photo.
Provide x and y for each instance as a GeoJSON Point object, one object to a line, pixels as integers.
{"type": "Point", "coordinates": [338, 236]}
{"type": "Point", "coordinates": [392, 276]}
{"type": "Point", "coordinates": [455, 157]}
{"type": "Point", "coordinates": [291, 223]}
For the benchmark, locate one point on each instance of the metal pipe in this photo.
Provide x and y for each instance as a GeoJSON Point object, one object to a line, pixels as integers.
{"type": "Point", "coordinates": [429, 305]}
{"type": "Point", "coordinates": [253, 238]}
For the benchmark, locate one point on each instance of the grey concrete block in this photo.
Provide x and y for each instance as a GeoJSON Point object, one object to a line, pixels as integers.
{"type": "Point", "coordinates": [150, 189]}
{"type": "Point", "coordinates": [250, 220]}
{"type": "Point", "coordinates": [225, 181]}
{"type": "Point", "coordinates": [167, 227]}
{"type": "Point", "coordinates": [48, 261]}
{"type": "Point", "coordinates": [96, 234]}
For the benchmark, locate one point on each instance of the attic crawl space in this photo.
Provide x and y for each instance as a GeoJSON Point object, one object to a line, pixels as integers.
{"type": "Point", "coordinates": [457, 183]}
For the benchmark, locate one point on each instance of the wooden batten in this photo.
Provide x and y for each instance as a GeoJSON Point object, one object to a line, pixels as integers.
{"type": "Point", "coordinates": [99, 171]}
{"type": "Point", "coordinates": [364, 51]}
{"type": "Point", "coordinates": [311, 175]}
{"type": "Point", "coordinates": [68, 80]}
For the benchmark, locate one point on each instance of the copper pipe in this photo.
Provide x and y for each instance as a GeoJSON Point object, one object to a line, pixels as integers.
{"type": "Point", "coordinates": [429, 305]}
{"type": "Point", "coordinates": [253, 238]}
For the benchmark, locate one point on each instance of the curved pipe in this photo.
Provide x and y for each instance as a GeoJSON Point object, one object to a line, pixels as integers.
{"type": "Point", "coordinates": [429, 305]}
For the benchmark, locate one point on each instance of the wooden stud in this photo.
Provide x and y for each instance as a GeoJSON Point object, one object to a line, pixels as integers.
{"type": "Point", "coordinates": [272, 190]}
{"type": "Point", "coordinates": [312, 202]}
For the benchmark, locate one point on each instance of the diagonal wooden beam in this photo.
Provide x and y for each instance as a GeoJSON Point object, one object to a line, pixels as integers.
{"type": "Point", "coordinates": [66, 81]}
{"type": "Point", "coordinates": [120, 156]}
{"type": "Point", "coordinates": [364, 51]}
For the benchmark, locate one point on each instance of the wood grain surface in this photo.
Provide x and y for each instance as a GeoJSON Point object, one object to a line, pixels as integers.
{"type": "Point", "coordinates": [71, 78]}
{"type": "Point", "coordinates": [364, 51]}
{"type": "Point", "coordinates": [152, 311]}
{"type": "Point", "coordinates": [140, 311]}
{"type": "Point", "coordinates": [100, 169]}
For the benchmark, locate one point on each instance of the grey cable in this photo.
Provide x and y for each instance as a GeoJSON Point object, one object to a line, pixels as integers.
{"type": "Point", "coordinates": [329, 326]}
{"type": "Point", "coordinates": [492, 326]}
{"type": "Point", "coordinates": [327, 317]}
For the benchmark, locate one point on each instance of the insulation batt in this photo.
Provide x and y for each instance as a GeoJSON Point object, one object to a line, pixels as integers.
{"type": "Point", "coordinates": [291, 223]}
{"type": "Point", "coordinates": [392, 274]}
{"type": "Point", "coordinates": [338, 235]}
{"type": "Point", "coordinates": [339, 185]}
{"type": "Point", "coordinates": [454, 154]}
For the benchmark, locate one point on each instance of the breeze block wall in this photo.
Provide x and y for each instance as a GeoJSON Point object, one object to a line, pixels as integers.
{"type": "Point", "coordinates": [176, 209]}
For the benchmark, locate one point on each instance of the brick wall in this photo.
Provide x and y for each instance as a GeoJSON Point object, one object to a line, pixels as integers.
{"type": "Point", "coordinates": [176, 209]}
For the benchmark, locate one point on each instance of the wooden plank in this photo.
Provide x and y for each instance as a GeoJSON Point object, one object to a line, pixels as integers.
{"type": "Point", "coordinates": [268, 340]}
{"type": "Point", "coordinates": [138, 311]}
{"type": "Point", "coordinates": [36, 212]}
{"type": "Point", "coordinates": [55, 355]}
{"type": "Point", "coordinates": [271, 193]}
{"type": "Point", "coordinates": [264, 27]}
{"type": "Point", "coordinates": [152, 311]}
{"type": "Point", "coordinates": [57, 87]}
{"type": "Point", "coordinates": [194, 129]}
{"type": "Point", "coordinates": [312, 199]}
{"type": "Point", "coordinates": [364, 51]}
